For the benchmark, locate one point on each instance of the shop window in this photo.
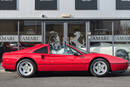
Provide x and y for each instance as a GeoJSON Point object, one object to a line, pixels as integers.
{"type": "Point", "coordinates": [30, 28]}
{"type": "Point", "coordinates": [101, 38]}
{"type": "Point", "coordinates": [100, 27]}
{"type": "Point", "coordinates": [55, 34]}
{"type": "Point", "coordinates": [77, 35]}
{"type": "Point", "coordinates": [8, 37]}
{"type": "Point", "coordinates": [8, 27]}
{"type": "Point", "coordinates": [30, 33]}
{"type": "Point", "coordinates": [122, 39]}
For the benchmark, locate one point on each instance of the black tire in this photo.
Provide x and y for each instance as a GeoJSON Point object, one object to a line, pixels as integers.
{"type": "Point", "coordinates": [122, 53]}
{"type": "Point", "coordinates": [33, 71]}
{"type": "Point", "coordinates": [92, 67]}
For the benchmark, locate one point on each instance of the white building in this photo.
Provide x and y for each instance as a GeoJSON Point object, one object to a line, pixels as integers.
{"type": "Point", "coordinates": [83, 23]}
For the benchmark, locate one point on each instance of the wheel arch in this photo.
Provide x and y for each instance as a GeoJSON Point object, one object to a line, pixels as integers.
{"type": "Point", "coordinates": [98, 58]}
{"type": "Point", "coordinates": [26, 58]}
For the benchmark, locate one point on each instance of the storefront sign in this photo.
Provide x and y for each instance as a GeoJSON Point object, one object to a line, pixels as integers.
{"type": "Point", "coordinates": [86, 4]}
{"type": "Point", "coordinates": [31, 38]}
{"type": "Point", "coordinates": [8, 4]}
{"type": "Point", "coordinates": [101, 38]}
{"type": "Point", "coordinates": [123, 4]}
{"type": "Point", "coordinates": [38, 38]}
{"type": "Point", "coordinates": [46, 4]}
{"type": "Point", "coordinates": [23, 38]}
{"type": "Point", "coordinates": [8, 38]}
{"type": "Point", "coordinates": [109, 38]}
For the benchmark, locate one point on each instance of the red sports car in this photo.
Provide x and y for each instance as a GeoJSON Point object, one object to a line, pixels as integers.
{"type": "Point", "coordinates": [45, 57]}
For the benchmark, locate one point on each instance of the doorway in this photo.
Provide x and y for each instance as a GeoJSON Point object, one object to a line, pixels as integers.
{"type": "Point", "coordinates": [74, 33]}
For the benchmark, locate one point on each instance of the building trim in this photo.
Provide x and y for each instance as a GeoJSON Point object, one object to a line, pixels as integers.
{"type": "Point", "coordinates": [65, 19]}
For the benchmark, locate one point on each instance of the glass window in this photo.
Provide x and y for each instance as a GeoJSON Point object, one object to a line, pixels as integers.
{"type": "Point", "coordinates": [77, 35]}
{"type": "Point", "coordinates": [122, 39]}
{"type": "Point", "coordinates": [42, 50]}
{"type": "Point", "coordinates": [100, 27]}
{"type": "Point", "coordinates": [8, 28]}
{"type": "Point", "coordinates": [71, 51]}
{"type": "Point", "coordinates": [101, 36]}
{"type": "Point", "coordinates": [8, 36]}
{"type": "Point", "coordinates": [122, 4]}
{"type": "Point", "coordinates": [57, 50]}
{"type": "Point", "coordinates": [86, 4]}
{"type": "Point", "coordinates": [30, 33]}
{"type": "Point", "coordinates": [46, 4]}
{"type": "Point", "coordinates": [8, 4]}
{"type": "Point", "coordinates": [55, 33]}
{"type": "Point", "coordinates": [30, 28]}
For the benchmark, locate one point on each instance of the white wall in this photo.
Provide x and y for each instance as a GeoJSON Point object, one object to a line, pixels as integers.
{"type": "Point", "coordinates": [106, 10]}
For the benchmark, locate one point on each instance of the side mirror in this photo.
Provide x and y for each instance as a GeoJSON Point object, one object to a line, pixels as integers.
{"type": "Point", "coordinates": [75, 54]}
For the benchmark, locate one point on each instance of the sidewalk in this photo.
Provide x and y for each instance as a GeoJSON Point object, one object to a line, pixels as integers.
{"type": "Point", "coordinates": [1, 69]}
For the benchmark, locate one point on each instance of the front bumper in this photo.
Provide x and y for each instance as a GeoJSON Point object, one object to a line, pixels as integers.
{"type": "Point", "coordinates": [119, 66]}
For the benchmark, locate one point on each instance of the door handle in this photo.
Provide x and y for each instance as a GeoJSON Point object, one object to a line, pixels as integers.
{"type": "Point", "coordinates": [42, 56]}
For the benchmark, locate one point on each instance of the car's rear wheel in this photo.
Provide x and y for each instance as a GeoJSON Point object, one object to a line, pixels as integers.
{"type": "Point", "coordinates": [99, 67]}
{"type": "Point", "coordinates": [26, 68]}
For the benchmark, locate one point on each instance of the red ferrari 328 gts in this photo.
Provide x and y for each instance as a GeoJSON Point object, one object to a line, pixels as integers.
{"type": "Point", "coordinates": [44, 57]}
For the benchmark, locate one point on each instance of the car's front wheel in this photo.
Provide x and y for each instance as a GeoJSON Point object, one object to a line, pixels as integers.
{"type": "Point", "coordinates": [99, 67]}
{"type": "Point", "coordinates": [26, 68]}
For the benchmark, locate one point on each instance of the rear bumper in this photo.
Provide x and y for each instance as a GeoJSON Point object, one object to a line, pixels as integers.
{"type": "Point", "coordinates": [119, 66]}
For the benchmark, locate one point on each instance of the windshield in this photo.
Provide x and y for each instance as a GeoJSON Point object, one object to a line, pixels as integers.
{"type": "Point", "coordinates": [84, 51]}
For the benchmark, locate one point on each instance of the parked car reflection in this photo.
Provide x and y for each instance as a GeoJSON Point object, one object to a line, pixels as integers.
{"type": "Point", "coordinates": [120, 50]}
{"type": "Point", "coordinates": [12, 46]}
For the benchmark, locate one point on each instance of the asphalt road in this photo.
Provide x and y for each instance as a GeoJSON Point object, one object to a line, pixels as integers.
{"type": "Point", "coordinates": [65, 79]}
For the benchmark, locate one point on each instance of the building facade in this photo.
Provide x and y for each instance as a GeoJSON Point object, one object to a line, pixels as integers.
{"type": "Point", "coordinates": [94, 25]}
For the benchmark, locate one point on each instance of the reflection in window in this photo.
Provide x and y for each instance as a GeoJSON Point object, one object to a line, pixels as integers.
{"type": "Point", "coordinates": [100, 27]}
{"type": "Point", "coordinates": [122, 27]}
{"type": "Point", "coordinates": [54, 34]}
{"type": "Point", "coordinates": [101, 47]}
{"type": "Point", "coordinates": [8, 40]}
{"type": "Point", "coordinates": [30, 27]}
{"type": "Point", "coordinates": [122, 49]}
{"type": "Point", "coordinates": [76, 35]}
{"type": "Point", "coordinates": [122, 41]}
{"type": "Point", "coordinates": [8, 27]}
{"type": "Point", "coordinates": [29, 33]}
{"type": "Point", "coordinates": [101, 38]}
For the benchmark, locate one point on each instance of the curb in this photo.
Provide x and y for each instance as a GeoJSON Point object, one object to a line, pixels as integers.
{"type": "Point", "coordinates": [3, 71]}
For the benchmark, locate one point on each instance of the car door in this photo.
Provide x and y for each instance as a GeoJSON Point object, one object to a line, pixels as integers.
{"type": "Point", "coordinates": [42, 57]}
{"type": "Point", "coordinates": [67, 60]}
